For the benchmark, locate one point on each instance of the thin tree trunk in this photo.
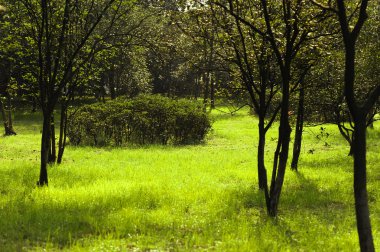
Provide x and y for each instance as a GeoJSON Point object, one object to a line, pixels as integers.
{"type": "Point", "coordinates": [8, 127]}
{"type": "Point", "coordinates": [45, 146]}
{"type": "Point", "coordinates": [4, 116]}
{"type": "Point", "coordinates": [298, 130]}
{"type": "Point", "coordinates": [206, 83]}
{"type": "Point", "coordinates": [360, 186]}
{"type": "Point", "coordinates": [62, 132]}
{"type": "Point", "coordinates": [351, 152]}
{"type": "Point", "coordinates": [52, 150]}
{"type": "Point", "coordinates": [196, 90]}
{"type": "Point", "coordinates": [212, 92]}
{"type": "Point", "coordinates": [261, 155]}
{"type": "Point", "coordinates": [34, 104]}
{"type": "Point", "coordinates": [279, 180]}
{"type": "Point", "coordinates": [282, 150]}
{"type": "Point", "coordinates": [371, 120]}
{"type": "Point", "coordinates": [10, 121]}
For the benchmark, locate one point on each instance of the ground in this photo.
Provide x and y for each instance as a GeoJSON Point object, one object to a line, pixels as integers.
{"type": "Point", "coordinates": [182, 198]}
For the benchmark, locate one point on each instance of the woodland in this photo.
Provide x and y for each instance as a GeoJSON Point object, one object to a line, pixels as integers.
{"type": "Point", "coordinates": [186, 125]}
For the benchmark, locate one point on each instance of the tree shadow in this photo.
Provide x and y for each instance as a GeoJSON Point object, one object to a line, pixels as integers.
{"type": "Point", "coordinates": [35, 218]}
{"type": "Point", "coordinates": [305, 193]}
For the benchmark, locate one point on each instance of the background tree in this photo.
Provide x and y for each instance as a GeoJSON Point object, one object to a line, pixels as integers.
{"type": "Point", "coordinates": [359, 111]}
{"type": "Point", "coordinates": [116, 66]}
{"type": "Point", "coordinates": [287, 28]}
{"type": "Point", "coordinates": [255, 62]}
{"type": "Point", "coordinates": [62, 32]}
{"type": "Point", "coordinates": [352, 17]}
{"type": "Point", "coordinates": [5, 73]}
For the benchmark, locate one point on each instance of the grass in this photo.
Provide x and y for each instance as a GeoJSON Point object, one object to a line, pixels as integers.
{"type": "Point", "coordinates": [171, 198]}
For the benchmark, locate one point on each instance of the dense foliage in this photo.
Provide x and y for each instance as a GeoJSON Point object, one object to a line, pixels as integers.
{"type": "Point", "coordinates": [146, 119]}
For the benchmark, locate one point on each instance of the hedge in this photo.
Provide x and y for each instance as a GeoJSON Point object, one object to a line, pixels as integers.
{"type": "Point", "coordinates": [146, 119]}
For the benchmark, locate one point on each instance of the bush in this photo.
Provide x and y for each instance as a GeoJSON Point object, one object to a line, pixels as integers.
{"type": "Point", "coordinates": [146, 119]}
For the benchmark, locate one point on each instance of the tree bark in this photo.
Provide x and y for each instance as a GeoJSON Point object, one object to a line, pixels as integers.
{"type": "Point", "coordinates": [261, 155]}
{"type": "Point", "coordinates": [282, 151]}
{"type": "Point", "coordinates": [62, 132]}
{"type": "Point", "coordinates": [10, 121]}
{"type": "Point", "coordinates": [360, 186]}
{"type": "Point", "coordinates": [8, 125]}
{"type": "Point", "coordinates": [45, 146]}
{"type": "Point", "coordinates": [278, 177]}
{"type": "Point", "coordinates": [197, 88]}
{"type": "Point", "coordinates": [359, 115]}
{"type": "Point", "coordinates": [52, 149]}
{"type": "Point", "coordinates": [371, 120]}
{"type": "Point", "coordinates": [298, 130]}
{"type": "Point", "coordinates": [212, 92]}
{"type": "Point", "coordinates": [4, 116]}
{"type": "Point", "coordinates": [34, 104]}
{"type": "Point", "coordinates": [206, 83]}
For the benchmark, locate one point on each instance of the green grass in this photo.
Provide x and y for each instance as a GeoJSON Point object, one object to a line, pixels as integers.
{"type": "Point", "coordinates": [171, 198]}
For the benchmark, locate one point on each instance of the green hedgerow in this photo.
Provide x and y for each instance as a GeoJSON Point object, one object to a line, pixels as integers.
{"type": "Point", "coordinates": [146, 119]}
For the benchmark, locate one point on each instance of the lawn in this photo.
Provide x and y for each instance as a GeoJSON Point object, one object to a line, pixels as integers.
{"type": "Point", "coordinates": [182, 198]}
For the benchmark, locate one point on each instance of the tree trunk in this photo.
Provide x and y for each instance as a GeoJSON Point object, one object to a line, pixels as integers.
{"type": "Point", "coordinates": [34, 104]}
{"type": "Point", "coordinates": [8, 127]}
{"type": "Point", "coordinates": [351, 152]}
{"type": "Point", "coordinates": [360, 186]}
{"type": "Point", "coordinates": [212, 92]}
{"type": "Point", "coordinates": [4, 116]}
{"type": "Point", "coordinates": [52, 149]}
{"type": "Point", "coordinates": [298, 131]}
{"type": "Point", "coordinates": [10, 121]}
{"type": "Point", "coordinates": [371, 120]}
{"type": "Point", "coordinates": [206, 83]}
{"type": "Point", "coordinates": [280, 174]}
{"type": "Point", "coordinates": [261, 155]}
{"type": "Point", "coordinates": [196, 91]}
{"type": "Point", "coordinates": [282, 151]}
{"type": "Point", "coordinates": [62, 132]}
{"type": "Point", "coordinates": [45, 146]}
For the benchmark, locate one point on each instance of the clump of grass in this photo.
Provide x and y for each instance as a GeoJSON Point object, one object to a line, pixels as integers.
{"type": "Point", "coordinates": [201, 197]}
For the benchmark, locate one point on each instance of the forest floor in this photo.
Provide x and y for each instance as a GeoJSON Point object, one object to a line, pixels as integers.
{"type": "Point", "coordinates": [182, 198]}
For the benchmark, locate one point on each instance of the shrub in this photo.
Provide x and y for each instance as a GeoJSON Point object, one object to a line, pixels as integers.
{"type": "Point", "coordinates": [146, 119]}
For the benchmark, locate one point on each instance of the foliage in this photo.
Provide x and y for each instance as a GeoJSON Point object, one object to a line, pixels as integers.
{"type": "Point", "coordinates": [146, 119]}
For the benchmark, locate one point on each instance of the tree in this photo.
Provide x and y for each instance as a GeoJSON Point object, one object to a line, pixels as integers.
{"type": "Point", "coordinates": [300, 115]}
{"type": "Point", "coordinates": [358, 112]}
{"type": "Point", "coordinates": [5, 75]}
{"type": "Point", "coordinates": [174, 60]}
{"type": "Point", "coordinates": [257, 73]}
{"type": "Point", "coordinates": [352, 20]}
{"type": "Point", "coordinates": [287, 28]}
{"type": "Point", "coordinates": [117, 62]}
{"type": "Point", "coordinates": [309, 58]}
{"type": "Point", "coordinates": [64, 34]}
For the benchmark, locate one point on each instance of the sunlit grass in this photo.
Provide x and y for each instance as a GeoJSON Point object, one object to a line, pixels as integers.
{"type": "Point", "coordinates": [201, 197]}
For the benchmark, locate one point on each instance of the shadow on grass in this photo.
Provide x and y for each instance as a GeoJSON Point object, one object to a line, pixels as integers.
{"type": "Point", "coordinates": [327, 162]}
{"type": "Point", "coordinates": [302, 194]}
{"type": "Point", "coordinates": [306, 193]}
{"type": "Point", "coordinates": [34, 217]}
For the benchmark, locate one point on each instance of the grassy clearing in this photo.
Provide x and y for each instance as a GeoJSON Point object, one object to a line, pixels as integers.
{"type": "Point", "coordinates": [169, 198]}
